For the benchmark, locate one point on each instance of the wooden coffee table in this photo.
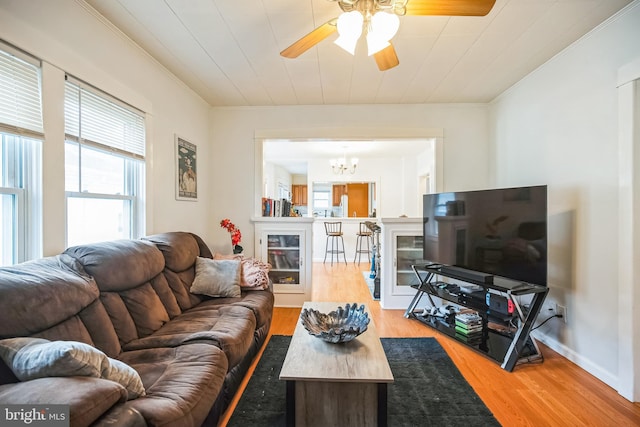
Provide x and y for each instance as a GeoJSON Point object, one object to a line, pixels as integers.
{"type": "Point", "coordinates": [336, 384]}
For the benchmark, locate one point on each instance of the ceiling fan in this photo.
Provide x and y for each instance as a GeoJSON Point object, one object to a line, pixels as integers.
{"type": "Point", "coordinates": [378, 19]}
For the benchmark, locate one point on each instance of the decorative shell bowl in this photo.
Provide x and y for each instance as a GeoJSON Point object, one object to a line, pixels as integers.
{"type": "Point", "coordinates": [341, 325]}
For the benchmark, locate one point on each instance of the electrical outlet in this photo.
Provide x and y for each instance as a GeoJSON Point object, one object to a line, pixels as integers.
{"type": "Point", "coordinates": [561, 310]}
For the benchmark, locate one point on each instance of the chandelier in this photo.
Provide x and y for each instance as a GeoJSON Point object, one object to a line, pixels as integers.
{"type": "Point", "coordinates": [340, 165]}
{"type": "Point", "coordinates": [378, 18]}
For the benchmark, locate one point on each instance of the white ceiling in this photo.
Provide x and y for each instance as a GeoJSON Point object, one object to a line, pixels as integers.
{"type": "Point", "coordinates": [227, 51]}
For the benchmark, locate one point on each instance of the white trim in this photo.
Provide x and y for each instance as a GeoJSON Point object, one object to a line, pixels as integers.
{"type": "Point", "coordinates": [18, 53]}
{"type": "Point", "coordinates": [628, 384]}
{"type": "Point", "coordinates": [18, 242]}
{"type": "Point", "coordinates": [629, 72]}
{"type": "Point", "coordinates": [83, 195]}
{"type": "Point", "coordinates": [350, 133]}
{"type": "Point", "coordinates": [584, 363]}
{"type": "Point", "coordinates": [27, 133]}
{"type": "Point", "coordinates": [345, 133]}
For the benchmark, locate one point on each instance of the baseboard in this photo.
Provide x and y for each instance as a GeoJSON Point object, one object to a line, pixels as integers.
{"type": "Point", "coordinates": [596, 370]}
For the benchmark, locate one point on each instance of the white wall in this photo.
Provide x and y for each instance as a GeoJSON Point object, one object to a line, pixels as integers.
{"type": "Point", "coordinates": [71, 38]}
{"type": "Point", "coordinates": [465, 143]}
{"type": "Point", "coordinates": [394, 177]}
{"type": "Point", "coordinates": [559, 126]}
{"type": "Point", "coordinates": [275, 176]}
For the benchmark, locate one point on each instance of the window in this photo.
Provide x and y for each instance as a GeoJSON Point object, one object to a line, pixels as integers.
{"type": "Point", "coordinates": [321, 199]}
{"type": "Point", "coordinates": [21, 135]}
{"type": "Point", "coordinates": [104, 166]}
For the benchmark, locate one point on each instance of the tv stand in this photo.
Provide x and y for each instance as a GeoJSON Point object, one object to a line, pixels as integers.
{"type": "Point", "coordinates": [502, 329]}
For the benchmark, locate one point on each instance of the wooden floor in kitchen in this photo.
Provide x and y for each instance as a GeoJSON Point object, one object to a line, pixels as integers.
{"type": "Point", "coordinates": [553, 393]}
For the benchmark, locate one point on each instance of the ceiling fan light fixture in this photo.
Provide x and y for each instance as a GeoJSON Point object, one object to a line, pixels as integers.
{"type": "Point", "coordinates": [382, 28]}
{"type": "Point", "coordinates": [349, 30]}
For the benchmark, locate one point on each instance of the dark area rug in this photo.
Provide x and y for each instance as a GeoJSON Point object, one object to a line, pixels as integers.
{"type": "Point", "coordinates": [428, 388]}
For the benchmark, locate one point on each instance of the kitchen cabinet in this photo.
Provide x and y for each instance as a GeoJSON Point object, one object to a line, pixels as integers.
{"type": "Point", "coordinates": [299, 195]}
{"type": "Point", "coordinates": [339, 190]}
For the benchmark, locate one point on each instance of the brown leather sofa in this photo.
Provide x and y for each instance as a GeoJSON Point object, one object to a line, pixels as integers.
{"type": "Point", "coordinates": [130, 299]}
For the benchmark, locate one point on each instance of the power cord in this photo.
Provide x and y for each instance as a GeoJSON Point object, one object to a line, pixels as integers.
{"type": "Point", "coordinates": [559, 316]}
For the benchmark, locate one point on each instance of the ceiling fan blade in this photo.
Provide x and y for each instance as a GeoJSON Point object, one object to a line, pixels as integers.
{"type": "Point", "coordinates": [386, 58]}
{"type": "Point", "coordinates": [310, 40]}
{"type": "Point", "coordinates": [450, 7]}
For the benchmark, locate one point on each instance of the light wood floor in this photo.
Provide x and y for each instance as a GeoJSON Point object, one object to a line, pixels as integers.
{"type": "Point", "coordinates": [553, 393]}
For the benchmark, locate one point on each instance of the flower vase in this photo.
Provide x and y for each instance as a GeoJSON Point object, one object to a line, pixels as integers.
{"type": "Point", "coordinates": [237, 249]}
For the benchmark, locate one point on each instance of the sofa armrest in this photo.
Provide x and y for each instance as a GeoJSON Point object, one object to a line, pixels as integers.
{"type": "Point", "coordinates": [121, 416]}
{"type": "Point", "coordinates": [88, 398]}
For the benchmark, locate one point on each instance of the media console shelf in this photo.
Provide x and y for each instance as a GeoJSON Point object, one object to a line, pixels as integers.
{"type": "Point", "coordinates": [504, 322]}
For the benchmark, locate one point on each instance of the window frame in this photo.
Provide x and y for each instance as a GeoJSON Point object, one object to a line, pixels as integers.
{"type": "Point", "coordinates": [18, 250]}
{"type": "Point", "coordinates": [316, 199]}
{"type": "Point", "coordinates": [21, 145]}
{"type": "Point", "coordinates": [134, 162]}
{"type": "Point", "coordinates": [22, 179]}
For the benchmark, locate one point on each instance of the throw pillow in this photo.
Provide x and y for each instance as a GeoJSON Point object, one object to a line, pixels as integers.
{"type": "Point", "coordinates": [31, 358]}
{"type": "Point", "coordinates": [124, 374]}
{"type": "Point", "coordinates": [217, 278]}
{"type": "Point", "coordinates": [254, 273]}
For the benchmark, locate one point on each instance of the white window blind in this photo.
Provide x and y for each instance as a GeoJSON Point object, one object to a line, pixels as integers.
{"type": "Point", "coordinates": [20, 99]}
{"type": "Point", "coordinates": [97, 119]}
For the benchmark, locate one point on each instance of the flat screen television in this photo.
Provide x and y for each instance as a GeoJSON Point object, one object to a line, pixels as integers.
{"type": "Point", "coordinates": [500, 232]}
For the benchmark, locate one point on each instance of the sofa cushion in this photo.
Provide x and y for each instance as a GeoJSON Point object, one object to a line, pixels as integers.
{"type": "Point", "coordinates": [119, 265]}
{"type": "Point", "coordinates": [120, 317]}
{"type": "Point", "coordinates": [50, 290]}
{"type": "Point", "coordinates": [217, 278]}
{"type": "Point", "coordinates": [182, 383]}
{"type": "Point", "coordinates": [145, 308]}
{"type": "Point", "coordinates": [91, 326]}
{"type": "Point", "coordinates": [230, 328]}
{"type": "Point", "coordinates": [32, 358]}
{"type": "Point", "coordinates": [166, 295]}
{"type": "Point", "coordinates": [180, 249]}
{"type": "Point", "coordinates": [180, 283]}
{"type": "Point", "coordinates": [88, 398]}
{"type": "Point", "coordinates": [136, 312]}
{"type": "Point", "coordinates": [260, 303]}
{"type": "Point", "coordinates": [127, 273]}
{"type": "Point", "coordinates": [95, 320]}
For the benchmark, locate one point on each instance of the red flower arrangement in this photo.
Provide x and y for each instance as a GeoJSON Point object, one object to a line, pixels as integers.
{"type": "Point", "coordinates": [236, 235]}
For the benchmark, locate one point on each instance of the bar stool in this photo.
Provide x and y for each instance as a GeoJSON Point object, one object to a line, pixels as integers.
{"type": "Point", "coordinates": [363, 234]}
{"type": "Point", "coordinates": [334, 233]}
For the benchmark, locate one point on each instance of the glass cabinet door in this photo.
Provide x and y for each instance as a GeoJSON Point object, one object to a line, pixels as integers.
{"type": "Point", "coordinates": [408, 252]}
{"type": "Point", "coordinates": [283, 253]}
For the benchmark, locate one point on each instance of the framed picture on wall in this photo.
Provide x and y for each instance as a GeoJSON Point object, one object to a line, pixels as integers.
{"type": "Point", "coordinates": [186, 171]}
